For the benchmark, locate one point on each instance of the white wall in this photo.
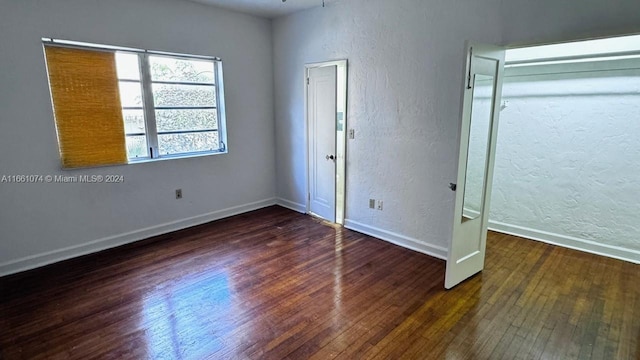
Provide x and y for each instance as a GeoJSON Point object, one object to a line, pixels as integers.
{"type": "Point", "coordinates": [41, 223]}
{"type": "Point", "coordinates": [405, 58]}
{"type": "Point", "coordinates": [405, 72]}
{"type": "Point", "coordinates": [550, 21]}
{"type": "Point", "coordinates": [567, 156]}
{"type": "Point", "coordinates": [405, 75]}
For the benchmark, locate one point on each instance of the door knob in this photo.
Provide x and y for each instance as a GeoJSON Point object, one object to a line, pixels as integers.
{"type": "Point", "coordinates": [330, 157]}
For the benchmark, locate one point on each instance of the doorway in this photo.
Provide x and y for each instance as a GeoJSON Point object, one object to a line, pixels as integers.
{"type": "Point", "coordinates": [568, 149]}
{"type": "Point", "coordinates": [326, 124]}
{"type": "Point", "coordinates": [552, 77]}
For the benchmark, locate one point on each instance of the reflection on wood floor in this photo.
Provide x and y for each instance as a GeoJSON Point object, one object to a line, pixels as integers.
{"type": "Point", "coordinates": [272, 284]}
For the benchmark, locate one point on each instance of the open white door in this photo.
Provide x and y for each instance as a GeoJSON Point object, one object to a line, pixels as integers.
{"type": "Point", "coordinates": [321, 115]}
{"type": "Point", "coordinates": [481, 108]}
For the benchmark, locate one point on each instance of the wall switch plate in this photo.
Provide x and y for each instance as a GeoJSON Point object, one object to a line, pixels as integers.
{"type": "Point", "coordinates": [379, 204]}
{"type": "Point", "coordinates": [372, 203]}
{"type": "Point", "coordinates": [178, 193]}
{"type": "Point", "coordinates": [352, 134]}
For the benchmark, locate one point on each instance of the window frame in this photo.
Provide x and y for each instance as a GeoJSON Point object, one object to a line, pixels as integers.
{"type": "Point", "coordinates": [148, 104]}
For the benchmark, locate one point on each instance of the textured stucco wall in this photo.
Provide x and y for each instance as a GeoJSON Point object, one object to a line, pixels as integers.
{"type": "Point", "coordinates": [568, 155]}
{"type": "Point", "coordinates": [405, 77]}
{"type": "Point", "coordinates": [405, 74]}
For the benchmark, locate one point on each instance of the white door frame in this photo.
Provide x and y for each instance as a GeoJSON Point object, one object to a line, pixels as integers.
{"type": "Point", "coordinates": [341, 135]}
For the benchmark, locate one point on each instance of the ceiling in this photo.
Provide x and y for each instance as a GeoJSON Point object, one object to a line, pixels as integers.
{"type": "Point", "coordinates": [264, 8]}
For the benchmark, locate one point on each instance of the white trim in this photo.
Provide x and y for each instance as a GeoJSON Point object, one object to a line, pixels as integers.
{"type": "Point", "coordinates": [439, 252]}
{"type": "Point", "coordinates": [301, 208]}
{"type": "Point", "coordinates": [50, 257]}
{"type": "Point", "coordinates": [570, 242]}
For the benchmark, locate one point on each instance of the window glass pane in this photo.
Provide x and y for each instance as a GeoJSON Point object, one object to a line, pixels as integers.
{"type": "Point", "coordinates": [137, 146]}
{"type": "Point", "coordinates": [185, 120]}
{"type": "Point", "coordinates": [127, 66]}
{"type": "Point", "coordinates": [188, 142]}
{"type": "Point", "coordinates": [183, 95]}
{"type": "Point", "coordinates": [133, 121]}
{"type": "Point", "coordinates": [130, 94]}
{"type": "Point", "coordinates": [181, 70]}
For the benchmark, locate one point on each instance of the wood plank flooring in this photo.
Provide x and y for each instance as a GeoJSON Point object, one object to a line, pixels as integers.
{"type": "Point", "coordinates": [275, 284]}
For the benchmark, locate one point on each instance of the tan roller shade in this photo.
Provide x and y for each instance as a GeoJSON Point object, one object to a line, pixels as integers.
{"type": "Point", "coordinates": [86, 104]}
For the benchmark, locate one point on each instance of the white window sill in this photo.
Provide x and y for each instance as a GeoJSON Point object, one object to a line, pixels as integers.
{"type": "Point", "coordinates": [174, 157]}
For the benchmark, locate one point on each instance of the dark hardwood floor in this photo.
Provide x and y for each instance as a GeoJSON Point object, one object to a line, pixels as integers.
{"type": "Point", "coordinates": [275, 284]}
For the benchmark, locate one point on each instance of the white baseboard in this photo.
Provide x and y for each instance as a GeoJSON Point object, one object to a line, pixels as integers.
{"type": "Point", "coordinates": [570, 242]}
{"type": "Point", "coordinates": [35, 261]}
{"type": "Point", "coordinates": [301, 208]}
{"type": "Point", "coordinates": [398, 239]}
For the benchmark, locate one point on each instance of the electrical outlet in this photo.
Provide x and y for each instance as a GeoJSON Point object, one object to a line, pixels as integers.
{"type": "Point", "coordinates": [379, 204]}
{"type": "Point", "coordinates": [372, 203]}
{"type": "Point", "coordinates": [352, 134]}
{"type": "Point", "coordinates": [178, 193]}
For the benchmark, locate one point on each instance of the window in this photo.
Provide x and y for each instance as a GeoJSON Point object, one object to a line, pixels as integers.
{"type": "Point", "coordinates": [170, 105]}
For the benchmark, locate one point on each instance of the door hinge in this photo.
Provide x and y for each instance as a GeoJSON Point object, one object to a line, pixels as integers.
{"type": "Point", "coordinates": [307, 81]}
{"type": "Point", "coordinates": [309, 197]}
{"type": "Point", "coordinates": [453, 186]}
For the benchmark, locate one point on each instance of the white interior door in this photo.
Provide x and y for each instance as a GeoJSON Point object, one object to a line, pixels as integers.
{"type": "Point", "coordinates": [481, 108]}
{"type": "Point", "coordinates": [321, 117]}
